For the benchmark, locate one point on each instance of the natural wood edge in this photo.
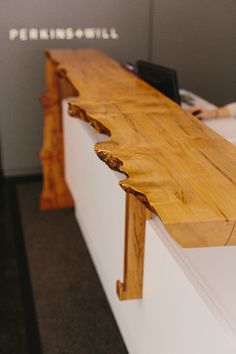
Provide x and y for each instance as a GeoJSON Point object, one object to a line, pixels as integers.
{"type": "Point", "coordinates": [112, 161]}
{"type": "Point", "coordinates": [77, 112]}
{"type": "Point", "coordinates": [140, 196]}
{"type": "Point", "coordinates": [62, 73]}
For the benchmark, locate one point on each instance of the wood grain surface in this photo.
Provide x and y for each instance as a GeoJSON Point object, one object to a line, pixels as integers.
{"type": "Point", "coordinates": [179, 168]}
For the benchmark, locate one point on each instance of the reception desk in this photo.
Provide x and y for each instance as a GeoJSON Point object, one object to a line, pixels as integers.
{"type": "Point", "coordinates": [156, 233]}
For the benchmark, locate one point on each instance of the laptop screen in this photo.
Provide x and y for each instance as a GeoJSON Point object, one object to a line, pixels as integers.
{"type": "Point", "coordinates": [162, 78]}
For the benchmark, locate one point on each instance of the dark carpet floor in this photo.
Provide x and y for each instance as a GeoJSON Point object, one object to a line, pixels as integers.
{"type": "Point", "coordinates": [18, 326]}
{"type": "Point", "coordinates": [68, 312]}
{"type": "Point", "coordinates": [12, 325]}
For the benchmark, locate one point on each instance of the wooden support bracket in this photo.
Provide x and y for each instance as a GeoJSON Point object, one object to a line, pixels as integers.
{"type": "Point", "coordinates": [55, 192]}
{"type": "Point", "coordinates": [135, 219]}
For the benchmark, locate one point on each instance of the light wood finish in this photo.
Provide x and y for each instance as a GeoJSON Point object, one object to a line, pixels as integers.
{"type": "Point", "coordinates": [179, 168]}
{"type": "Point", "coordinates": [55, 193]}
{"type": "Point", "coordinates": [132, 287]}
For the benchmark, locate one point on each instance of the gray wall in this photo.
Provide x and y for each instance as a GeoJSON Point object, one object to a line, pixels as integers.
{"type": "Point", "coordinates": [22, 62]}
{"type": "Point", "coordinates": [198, 38]}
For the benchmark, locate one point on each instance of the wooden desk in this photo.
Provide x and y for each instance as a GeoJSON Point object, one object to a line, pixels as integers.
{"type": "Point", "coordinates": [175, 166]}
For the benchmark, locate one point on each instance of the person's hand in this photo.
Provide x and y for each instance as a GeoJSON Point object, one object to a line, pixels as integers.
{"type": "Point", "coordinates": [201, 113]}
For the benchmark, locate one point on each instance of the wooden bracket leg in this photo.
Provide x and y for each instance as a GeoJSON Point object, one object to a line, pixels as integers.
{"type": "Point", "coordinates": [55, 192]}
{"type": "Point", "coordinates": [135, 219]}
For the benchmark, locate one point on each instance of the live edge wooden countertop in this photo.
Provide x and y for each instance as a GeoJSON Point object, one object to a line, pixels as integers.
{"type": "Point", "coordinates": [179, 168]}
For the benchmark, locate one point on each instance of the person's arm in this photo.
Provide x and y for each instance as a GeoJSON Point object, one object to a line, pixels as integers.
{"type": "Point", "coordinates": [232, 109]}
{"type": "Point", "coordinates": [221, 112]}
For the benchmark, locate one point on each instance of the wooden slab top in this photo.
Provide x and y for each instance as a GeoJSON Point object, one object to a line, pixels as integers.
{"type": "Point", "coordinates": [178, 167]}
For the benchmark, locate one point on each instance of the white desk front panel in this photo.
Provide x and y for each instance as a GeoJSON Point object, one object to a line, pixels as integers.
{"type": "Point", "coordinates": [177, 315]}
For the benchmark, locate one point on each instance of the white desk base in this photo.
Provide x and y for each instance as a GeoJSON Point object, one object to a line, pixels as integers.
{"type": "Point", "coordinates": [189, 302]}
